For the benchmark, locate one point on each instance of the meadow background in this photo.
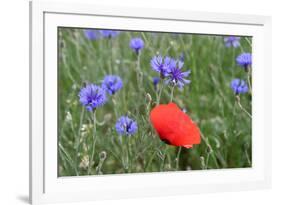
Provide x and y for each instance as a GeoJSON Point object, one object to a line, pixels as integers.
{"type": "Point", "coordinates": [208, 100]}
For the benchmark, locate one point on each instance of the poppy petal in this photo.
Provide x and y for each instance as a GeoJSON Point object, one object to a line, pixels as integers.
{"type": "Point", "coordinates": [174, 126]}
{"type": "Point", "coordinates": [187, 146]}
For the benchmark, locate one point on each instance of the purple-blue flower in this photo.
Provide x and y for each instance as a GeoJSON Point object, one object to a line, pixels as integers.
{"type": "Point", "coordinates": [109, 33]}
{"type": "Point", "coordinates": [244, 60]}
{"type": "Point", "coordinates": [112, 83]}
{"type": "Point", "coordinates": [177, 77]}
{"type": "Point", "coordinates": [239, 86]}
{"type": "Point", "coordinates": [162, 65]}
{"type": "Point", "coordinates": [232, 41]}
{"type": "Point", "coordinates": [91, 34]}
{"type": "Point", "coordinates": [136, 44]}
{"type": "Point", "coordinates": [126, 126]}
{"type": "Point", "coordinates": [92, 96]}
{"type": "Point", "coordinates": [155, 81]}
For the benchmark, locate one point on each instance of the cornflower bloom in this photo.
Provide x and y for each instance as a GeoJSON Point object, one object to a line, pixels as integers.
{"type": "Point", "coordinates": [136, 44]}
{"type": "Point", "coordinates": [111, 84]}
{"type": "Point", "coordinates": [126, 126]}
{"type": "Point", "coordinates": [92, 97]}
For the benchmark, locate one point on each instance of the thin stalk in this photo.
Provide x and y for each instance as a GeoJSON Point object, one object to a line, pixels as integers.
{"type": "Point", "coordinates": [249, 79]}
{"type": "Point", "coordinates": [149, 161]}
{"type": "Point", "coordinates": [210, 147]}
{"type": "Point", "coordinates": [248, 158]}
{"type": "Point", "coordinates": [249, 83]}
{"type": "Point", "coordinates": [242, 50]}
{"type": "Point", "coordinates": [111, 55]}
{"type": "Point", "coordinates": [138, 71]}
{"type": "Point", "coordinates": [138, 60]}
{"type": "Point", "coordinates": [233, 57]}
{"type": "Point", "coordinates": [77, 145]}
{"type": "Point", "coordinates": [98, 169]}
{"type": "Point", "coordinates": [102, 158]}
{"type": "Point", "coordinates": [68, 159]}
{"type": "Point", "coordinates": [172, 93]}
{"type": "Point", "coordinates": [164, 158]}
{"type": "Point", "coordinates": [241, 107]}
{"type": "Point", "coordinates": [114, 100]}
{"type": "Point", "coordinates": [123, 160]}
{"type": "Point", "coordinates": [178, 158]}
{"type": "Point", "coordinates": [207, 160]}
{"type": "Point", "coordinates": [160, 91]}
{"type": "Point", "coordinates": [248, 41]}
{"type": "Point", "coordinates": [94, 142]}
{"type": "Point", "coordinates": [145, 40]}
{"type": "Point", "coordinates": [129, 154]}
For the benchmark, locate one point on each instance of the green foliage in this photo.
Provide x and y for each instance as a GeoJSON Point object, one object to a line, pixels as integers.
{"type": "Point", "coordinates": [225, 128]}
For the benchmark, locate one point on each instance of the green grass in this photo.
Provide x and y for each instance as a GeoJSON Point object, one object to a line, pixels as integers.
{"type": "Point", "coordinates": [209, 101]}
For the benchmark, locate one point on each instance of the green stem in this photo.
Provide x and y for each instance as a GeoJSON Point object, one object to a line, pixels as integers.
{"type": "Point", "coordinates": [164, 158]}
{"type": "Point", "coordinates": [129, 154]}
{"type": "Point", "coordinates": [242, 50]}
{"type": "Point", "coordinates": [241, 107]}
{"type": "Point", "coordinates": [249, 83]}
{"type": "Point", "coordinates": [207, 160]}
{"type": "Point", "coordinates": [111, 56]}
{"type": "Point", "coordinates": [149, 161]}
{"type": "Point", "coordinates": [233, 57]}
{"type": "Point", "coordinates": [249, 79]}
{"type": "Point", "coordinates": [102, 158]}
{"type": "Point", "coordinates": [68, 159]}
{"type": "Point", "coordinates": [178, 158]}
{"type": "Point", "coordinates": [138, 71]}
{"type": "Point", "coordinates": [248, 41]}
{"type": "Point", "coordinates": [211, 149]}
{"type": "Point", "coordinates": [114, 100]}
{"type": "Point", "coordinates": [94, 142]}
{"type": "Point", "coordinates": [77, 145]}
{"type": "Point", "coordinates": [160, 91]}
{"type": "Point", "coordinates": [172, 93]}
{"type": "Point", "coordinates": [248, 158]}
{"type": "Point", "coordinates": [99, 167]}
{"type": "Point", "coordinates": [123, 157]}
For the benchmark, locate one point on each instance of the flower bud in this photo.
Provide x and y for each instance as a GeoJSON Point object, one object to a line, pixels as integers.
{"type": "Point", "coordinates": [148, 97]}
{"type": "Point", "coordinates": [68, 116]}
{"type": "Point", "coordinates": [102, 155]}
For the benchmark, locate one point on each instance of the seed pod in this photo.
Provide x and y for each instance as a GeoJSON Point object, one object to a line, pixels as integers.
{"type": "Point", "coordinates": [102, 155]}
{"type": "Point", "coordinates": [148, 97]}
{"type": "Point", "coordinates": [202, 160]}
{"type": "Point", "coordinates": [68, 116]}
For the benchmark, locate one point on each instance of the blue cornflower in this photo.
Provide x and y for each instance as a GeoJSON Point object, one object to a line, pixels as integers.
{"type": "Point", "coordinates": [177, 76]}
{"type": "Point", "coordinates": [232, 41]}
{"type": "Point", "coordinates": [136, 44]}
{"type": "Point", "coordinates": [91, 34]}
{"type": "Point", "coordinates": [112, 83]}
{"type": "Point", "coordinates": [239, 86]}
{"type": "Point", "coordinates": [109, 33]}
{"type": "Point", "coordinates": [126, 126]}
{"type": "Point", "coordinates": [155, 81]}
{"type": "Point", "coordinates": [92, 96]}
{"type": "Point", "coordinates": [161, 65]}
{"type": "Point", "coordinates": [244, 60]}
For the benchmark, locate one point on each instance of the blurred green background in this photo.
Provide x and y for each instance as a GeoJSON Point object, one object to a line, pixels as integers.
{"type": "Point", "coordinates": [208, 100]}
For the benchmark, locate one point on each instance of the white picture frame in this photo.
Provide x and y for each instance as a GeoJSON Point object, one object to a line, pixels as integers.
{"type": "Point", "coordinates": [46, 187]}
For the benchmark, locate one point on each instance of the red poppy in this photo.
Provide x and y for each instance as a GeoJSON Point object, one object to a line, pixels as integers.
{"type": "Point", "coordinates": [174, 126]}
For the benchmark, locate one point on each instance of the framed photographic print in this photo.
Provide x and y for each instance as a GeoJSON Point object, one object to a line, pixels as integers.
{"type": "Point", "coordinates": [129, 102]}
